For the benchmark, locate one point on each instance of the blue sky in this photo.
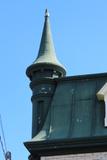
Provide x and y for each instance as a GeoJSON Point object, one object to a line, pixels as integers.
{"type": "Point", "coordinates": [79, 29]}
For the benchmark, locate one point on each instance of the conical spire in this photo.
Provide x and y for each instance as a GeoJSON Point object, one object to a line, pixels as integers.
{"type": "Point", "coordinates": [46, 54]}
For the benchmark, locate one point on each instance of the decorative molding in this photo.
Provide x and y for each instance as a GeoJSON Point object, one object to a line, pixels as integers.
{"type": "Point", "coordinates": [102, 96]}
{"type": "Point", "coordinates": [67, 146]}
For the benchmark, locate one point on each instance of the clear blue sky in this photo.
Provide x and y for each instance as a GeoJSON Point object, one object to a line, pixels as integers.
{"type": "Point", "coordinates": [79, 29]}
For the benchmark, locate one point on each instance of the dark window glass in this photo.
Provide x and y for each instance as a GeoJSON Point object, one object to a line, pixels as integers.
{"type": "Point", "coordinates": [40, 114]}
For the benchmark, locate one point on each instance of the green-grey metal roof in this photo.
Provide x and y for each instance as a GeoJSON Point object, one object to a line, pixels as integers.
{"type": "Point", "coordinates": [75, 111]}
{"type": "Point", "coordinates": [46, 54]}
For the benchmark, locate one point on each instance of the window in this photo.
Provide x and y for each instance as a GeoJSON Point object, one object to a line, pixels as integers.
{"type": "Point", "coordinates": [40, 114]}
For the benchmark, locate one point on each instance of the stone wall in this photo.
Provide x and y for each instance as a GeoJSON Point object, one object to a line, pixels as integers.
{"type": "Point", "coordinates": [87, 156]}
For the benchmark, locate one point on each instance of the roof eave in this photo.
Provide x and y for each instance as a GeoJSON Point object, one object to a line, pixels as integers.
{"type": "Point", "coordinates": [67, 146]}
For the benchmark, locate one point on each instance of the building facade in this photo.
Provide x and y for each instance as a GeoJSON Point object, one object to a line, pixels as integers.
{"type": "Point", "coordinates": [69, 113]}
{"type": "Point", "coordinates": [87, 156]}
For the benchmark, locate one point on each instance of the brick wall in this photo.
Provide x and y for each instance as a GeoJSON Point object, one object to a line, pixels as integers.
{"type": "Point", "coordinates": [87, 156]}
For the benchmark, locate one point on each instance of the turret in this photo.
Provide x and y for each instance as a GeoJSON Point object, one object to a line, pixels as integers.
{"type": "Point", "coordinates": [42, 72]}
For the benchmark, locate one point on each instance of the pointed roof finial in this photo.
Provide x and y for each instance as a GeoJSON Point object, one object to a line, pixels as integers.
{"type": "Point", "coordinates": [46, 13]}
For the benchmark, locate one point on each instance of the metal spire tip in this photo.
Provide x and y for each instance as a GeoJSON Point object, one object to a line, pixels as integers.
{"type": "Point", "coordinates": [46, 13]}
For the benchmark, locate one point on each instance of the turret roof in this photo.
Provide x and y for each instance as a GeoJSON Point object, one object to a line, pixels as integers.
{"type": "Point", "coordinates": [46, 55]}
{"type": "Point", "coordinates": [46, 52]}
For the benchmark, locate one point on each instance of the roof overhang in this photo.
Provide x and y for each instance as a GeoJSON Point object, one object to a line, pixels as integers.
{"type": "Point", "coordinates": [39, 66]}
{"type": "Point", "coordinates": [69, 146]}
